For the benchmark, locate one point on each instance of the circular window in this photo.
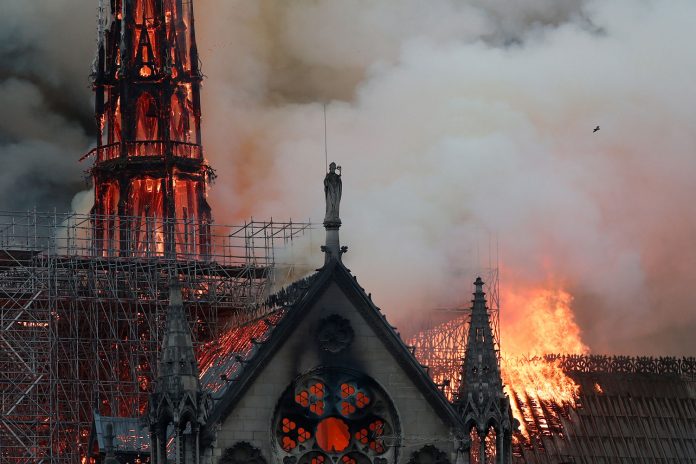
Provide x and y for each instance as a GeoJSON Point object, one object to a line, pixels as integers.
{"type": "Point", "coordinates": [336, 416]}
{"type": "Point", "coordinates": [334, 334]}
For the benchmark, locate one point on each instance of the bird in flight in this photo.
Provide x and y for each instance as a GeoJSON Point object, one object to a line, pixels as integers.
{"type": "Point", "coordinates": [595, 129]}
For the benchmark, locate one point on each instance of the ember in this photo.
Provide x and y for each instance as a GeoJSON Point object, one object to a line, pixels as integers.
{"type": "Point", "coordinates": [221, 359]}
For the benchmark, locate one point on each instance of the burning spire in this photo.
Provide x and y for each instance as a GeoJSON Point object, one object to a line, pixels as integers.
{"type": "Point", "coordinates": [482, 403]}
{"type": "Point", "coordinates": [150, 177]}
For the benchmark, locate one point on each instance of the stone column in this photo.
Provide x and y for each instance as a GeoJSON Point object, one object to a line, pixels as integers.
{"type": "Point", "coordinates": [177, 443]}
{"type": "Point", "coordinates": [499, 446]}
{"type": "Point", "coordinates": [482, 446]}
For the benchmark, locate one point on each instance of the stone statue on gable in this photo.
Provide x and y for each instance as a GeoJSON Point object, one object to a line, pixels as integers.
{"type": "Point", "coordinates": [332, 190]}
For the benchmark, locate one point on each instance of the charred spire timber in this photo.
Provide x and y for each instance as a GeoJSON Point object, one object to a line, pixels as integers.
{"type": "Point", "coordinates": [148, 163]}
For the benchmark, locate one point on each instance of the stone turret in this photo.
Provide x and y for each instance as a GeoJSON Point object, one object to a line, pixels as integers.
{"type": "Point", "coordinates": [482, 402]}
{"type": "Point", "coordinates": [178, 406]}
{"type": "Point", "coordinates": [178, 370]}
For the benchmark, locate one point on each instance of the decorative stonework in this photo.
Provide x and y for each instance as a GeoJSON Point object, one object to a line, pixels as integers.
{"type": "Point", "coordinates": [684, 367]}
{"type": "Point", "coordinates": [335, 416]}
{"type": "Point", "coordinates": [334, 334]}
{"type": "Point", "coordinates": [429, 455]}
{"type": "Point", "coordinates": [242, 453]}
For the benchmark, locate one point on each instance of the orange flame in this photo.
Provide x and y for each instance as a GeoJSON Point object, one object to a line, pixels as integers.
{"type": "Point", "coordinates": [542, 323]}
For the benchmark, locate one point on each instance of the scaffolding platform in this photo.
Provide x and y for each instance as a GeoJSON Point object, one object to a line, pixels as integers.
{"type": "Point", "coordinates": [80, 327]}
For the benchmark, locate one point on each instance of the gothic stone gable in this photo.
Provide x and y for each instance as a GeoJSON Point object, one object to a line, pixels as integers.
{"type": "Point", "coordinates": [335, 326]}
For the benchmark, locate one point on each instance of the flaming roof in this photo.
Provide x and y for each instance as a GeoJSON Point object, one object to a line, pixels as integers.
{"type": "Point", "coordinates": [618, 417]}
{"type": "Point", "coordinates": [222, 360]}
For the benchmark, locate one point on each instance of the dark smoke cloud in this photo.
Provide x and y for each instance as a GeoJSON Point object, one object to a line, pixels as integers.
{"type": "Point", "coordinates": [46, 121]}
{"type": "Point", "coordinates": [454, 120]}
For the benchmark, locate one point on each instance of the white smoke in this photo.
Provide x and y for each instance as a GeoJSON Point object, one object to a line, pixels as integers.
{"type": "Point", "coordinates": [454, 120]}
{"type": "Point", "coordinates": [457, 119]}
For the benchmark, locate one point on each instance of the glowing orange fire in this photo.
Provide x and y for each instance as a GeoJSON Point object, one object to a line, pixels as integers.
{"type": "Point", "coordinates": [540, 322]}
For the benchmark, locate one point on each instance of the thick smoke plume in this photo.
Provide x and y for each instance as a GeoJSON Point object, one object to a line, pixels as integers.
{"type": "Point", "coordinates": [457, 123]}
{"type": "Point", "coordinates": [46, 120]}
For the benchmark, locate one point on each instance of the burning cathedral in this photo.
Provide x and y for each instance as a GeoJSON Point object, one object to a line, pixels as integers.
{"type": "Point", "coordinates": [144, 332]}
{"type": "Point", "coordinates": [329, 381]}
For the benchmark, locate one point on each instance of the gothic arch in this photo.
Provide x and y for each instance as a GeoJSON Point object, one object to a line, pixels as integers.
{"type": "Point", "coordinates": [242, 453]}
{"type": "Point", "coordinates": [429, 455]}
{"type": "Point", "coordinates": [146, 117]}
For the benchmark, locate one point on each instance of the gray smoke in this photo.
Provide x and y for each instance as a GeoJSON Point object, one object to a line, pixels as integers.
{"type": "Point", "coordinates": [458, 121]}
{"type": "Point", "coordinates": [455, 121]}
{"type": "Point", "coordinates": [46, 122]}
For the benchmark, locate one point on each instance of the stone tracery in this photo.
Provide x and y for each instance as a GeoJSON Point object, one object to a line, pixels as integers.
{"type": "Point", "coordinates": [336, 415]}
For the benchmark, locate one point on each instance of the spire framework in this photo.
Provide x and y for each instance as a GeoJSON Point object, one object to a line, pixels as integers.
{"type": "Point", "coordinates": [149, 172]}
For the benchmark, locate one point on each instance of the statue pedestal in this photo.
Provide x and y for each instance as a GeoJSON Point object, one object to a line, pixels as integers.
{"type": "Point", "coordinates": [332, 249]}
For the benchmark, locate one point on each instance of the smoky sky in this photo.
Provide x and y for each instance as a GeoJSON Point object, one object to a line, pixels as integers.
{"type": "Point", "coordinates": [46, 122]}
{"type": "Point", "coordinates": [458, 124]}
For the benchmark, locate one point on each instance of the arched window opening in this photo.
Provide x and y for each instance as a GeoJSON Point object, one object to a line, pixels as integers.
{"type": "Point", "coordinates": [336, 416]}
{"type": "Point", "coordinates": [242, 453]}
{"type": "Point", "coordinates": [490, 446]}
{"type": "Point", "coordinates": [182, 121]}
{"type": "Point", "coordinates": [146, 117]}
{"type": "Point", "coordinates": [488, 449]}
{"type": "Point", "coordinates": [177, 122]}
{"type": "Point", "coordinates": [429, 455]}
{"type": "Point", "coordinates": [107, 222]}
{"type": "Point", "coordinates": [115, 126]}
{"type": "Point", "coordinates": [146, 202]}
{"type": "Point", "coordinates": [146, 59]}
{"type": "Point", "coordinates": [178, 19]}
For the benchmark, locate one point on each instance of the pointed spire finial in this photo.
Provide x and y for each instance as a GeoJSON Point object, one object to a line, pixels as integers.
{"type": "Point", "coordinates": [178, 389]}
{"type": "Point", "coordinates": [178, 370]}
{"type": "Point", "coordinates": [481, 374]}
{"type": "Point", "coordinates": [481, 399]}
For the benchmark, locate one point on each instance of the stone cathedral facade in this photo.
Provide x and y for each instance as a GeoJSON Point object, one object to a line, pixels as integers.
{"type": "Point", "coordinates": [331, 383]}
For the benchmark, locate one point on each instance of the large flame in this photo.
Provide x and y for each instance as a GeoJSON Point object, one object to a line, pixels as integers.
{"type": "Point", "coordinates": [542, 323]}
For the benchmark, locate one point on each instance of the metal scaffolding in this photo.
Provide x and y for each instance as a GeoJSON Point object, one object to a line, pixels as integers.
{"type": "Point", "coordinates": [79, 331]}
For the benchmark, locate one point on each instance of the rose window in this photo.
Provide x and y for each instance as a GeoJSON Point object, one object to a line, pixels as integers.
{"type": "Point", "coordinates": [335, 416]}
